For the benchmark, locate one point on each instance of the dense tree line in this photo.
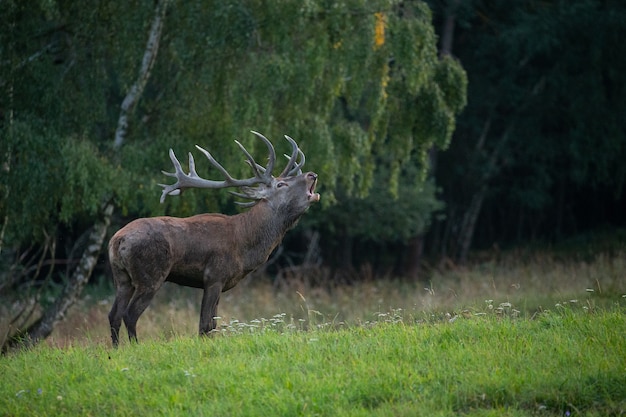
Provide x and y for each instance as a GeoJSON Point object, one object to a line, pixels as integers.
{"type": "Point", "coordinates": [94, 94]}
{"type": "Point", "coordinates": [479, 123]}
{"type": "Point", "coordinates": [538, 153]}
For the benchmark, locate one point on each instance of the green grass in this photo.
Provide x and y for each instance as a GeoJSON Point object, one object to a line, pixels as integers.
{"type": "Point", "coordinates": [567, 361]}
{"type": "Point", "coordinates": [522, 334]}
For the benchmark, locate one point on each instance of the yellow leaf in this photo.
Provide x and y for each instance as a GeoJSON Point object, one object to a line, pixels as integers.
{"type": "Point", "coordinates": [379, 30]}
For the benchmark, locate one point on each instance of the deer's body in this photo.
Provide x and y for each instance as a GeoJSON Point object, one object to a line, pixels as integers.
{"type": "Point", "coordinates": [186, 250]}
{"type": "Point", "coordinates": [208, 251]}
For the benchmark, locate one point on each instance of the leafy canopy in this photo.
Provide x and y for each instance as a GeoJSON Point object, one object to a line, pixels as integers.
{"type": "Point", "coordinates": [358, 84]}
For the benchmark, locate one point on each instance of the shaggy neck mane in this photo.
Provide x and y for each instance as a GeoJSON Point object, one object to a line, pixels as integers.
{"type": "Point", "coordinates": [263, 227]}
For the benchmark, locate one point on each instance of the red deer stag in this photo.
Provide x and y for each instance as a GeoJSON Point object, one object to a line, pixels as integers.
{"type": "Point", "coordinates": [209, 251]}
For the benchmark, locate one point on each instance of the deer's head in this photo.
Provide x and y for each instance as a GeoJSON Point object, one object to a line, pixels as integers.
{"type": "Point", "coordinates": [290, 192]}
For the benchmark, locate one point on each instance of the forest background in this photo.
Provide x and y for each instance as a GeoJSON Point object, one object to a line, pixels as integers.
{"type": "Point", "coordinates": [436, 127]}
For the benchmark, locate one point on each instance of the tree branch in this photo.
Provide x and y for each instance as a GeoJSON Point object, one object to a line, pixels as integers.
{"type": "Point", "coordinates": [43, 327]}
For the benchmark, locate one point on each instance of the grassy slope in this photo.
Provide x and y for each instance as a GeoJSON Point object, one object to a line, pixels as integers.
{"type": "Point", "coordinates": [560, 362]}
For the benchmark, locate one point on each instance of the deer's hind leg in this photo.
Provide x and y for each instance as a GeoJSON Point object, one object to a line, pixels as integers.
{"type": "Point", "coordinates": [123, 293]}
{"type": "Point", "coordinates": [138, 304]}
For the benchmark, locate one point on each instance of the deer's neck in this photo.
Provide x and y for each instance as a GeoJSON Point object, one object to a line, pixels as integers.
{"type": "Point", "coordinates": [264, 227]}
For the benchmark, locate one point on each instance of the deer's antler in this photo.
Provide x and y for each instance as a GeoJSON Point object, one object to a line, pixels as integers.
{"type": "Point", "coordinates": [296, 169]}
{"type": "Point", "coordinates": [262, 175]}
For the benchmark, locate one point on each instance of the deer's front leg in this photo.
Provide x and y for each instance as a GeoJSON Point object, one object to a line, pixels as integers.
{"type": "Point", "coordinates": [210, 299]}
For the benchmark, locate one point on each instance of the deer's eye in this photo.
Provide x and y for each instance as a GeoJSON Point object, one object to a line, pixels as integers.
{"type": "Point", "coordinates": [281, 184]}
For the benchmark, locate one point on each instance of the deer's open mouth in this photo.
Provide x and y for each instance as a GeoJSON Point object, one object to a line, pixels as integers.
{"type": "Point", "coordinates": [313, 196]}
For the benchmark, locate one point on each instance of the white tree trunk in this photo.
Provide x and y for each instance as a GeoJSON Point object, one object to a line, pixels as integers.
{"type": "Point", "coordinates": [149, 57]}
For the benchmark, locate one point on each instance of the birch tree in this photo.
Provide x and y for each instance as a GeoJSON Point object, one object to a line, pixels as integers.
{"type": "Point", "coordinates": [43, 326]}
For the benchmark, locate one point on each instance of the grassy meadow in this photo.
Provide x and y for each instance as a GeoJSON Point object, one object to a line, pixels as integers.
{"type": "Point", "coordinates": [520, 336]}
{"type": "Point", "coordinates": [527, 282]}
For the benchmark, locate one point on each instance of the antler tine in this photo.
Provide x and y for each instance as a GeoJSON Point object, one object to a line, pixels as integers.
{"type": "Point", "coordinates": [213, 162]}
{"type": "Point", "coordinates": [191, 180]}
{"type": "Point", "coordinates": [272, 156]}
{"type": "Point", "coordinates": [242, 195]}
{"type": "Point", "coordinates": [258, 169]}
{"type": "Point", "coordinates": [289, 170]}
{"type": "Point", "coordinates": [172, 189]}
{"type": "Point", "coordinates": [232, 182]}
{"type": "Point", "coordinates": [297, 169]}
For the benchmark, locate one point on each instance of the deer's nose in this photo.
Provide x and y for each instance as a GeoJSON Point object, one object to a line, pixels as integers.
{"type": "Point", "coordinates": [312, 175]}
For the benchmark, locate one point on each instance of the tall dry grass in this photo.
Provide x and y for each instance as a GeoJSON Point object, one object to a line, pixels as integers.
{"type": "Point", "coordinates": [529, 282]}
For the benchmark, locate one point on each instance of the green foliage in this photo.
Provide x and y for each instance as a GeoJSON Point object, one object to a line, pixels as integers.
{"type": "Point", "coordinates": [88, 177]}
{"type": "Point", "coordinates": [284, 71]}
{"type": "Point", "coordinates": [382, 217]}
{"type": "Point", "coordinates": [60, 74]}
{"type": "Point", "coordinates": [31, 180]}
{"type": "Point", "coordinates": [49, 180]}
{"type": "Point", "coordinates": [562, 363]}
{"type": "Point", "coordinates": [356, 100]}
